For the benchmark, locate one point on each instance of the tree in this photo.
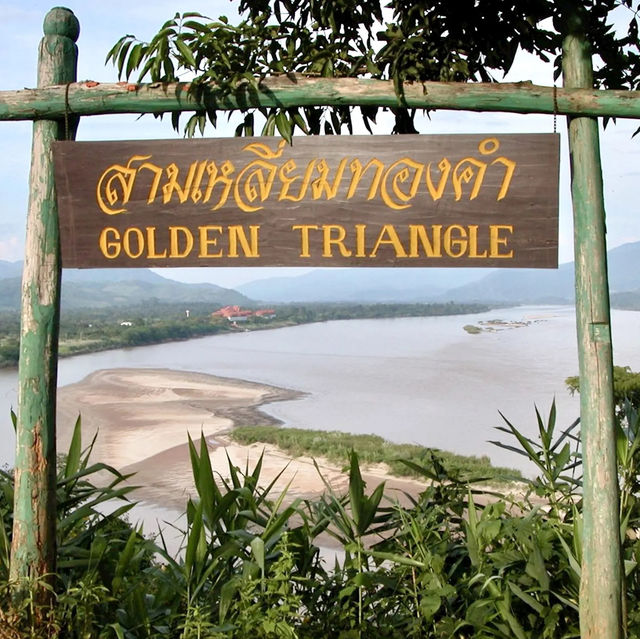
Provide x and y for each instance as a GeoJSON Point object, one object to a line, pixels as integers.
{"type": "Point", "coordinates": [626, 388]}
{"type": "Point", "coordinates": [403, 40]}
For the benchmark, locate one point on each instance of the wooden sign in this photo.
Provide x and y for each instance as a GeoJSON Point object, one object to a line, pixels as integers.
{"type": "Point", "coordinates": [410, 200]}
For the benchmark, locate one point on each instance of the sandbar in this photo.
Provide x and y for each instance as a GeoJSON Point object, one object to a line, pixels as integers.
{"type": "Point", "coordinates": [143, 418]}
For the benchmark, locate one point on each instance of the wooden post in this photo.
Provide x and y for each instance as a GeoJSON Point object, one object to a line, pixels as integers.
{"type": "Point", "coordinates": [33, 545]}
{"type": "Point", "coordinates": [95, 98]}
{"type": "Point", "coordinates": [601, 586]}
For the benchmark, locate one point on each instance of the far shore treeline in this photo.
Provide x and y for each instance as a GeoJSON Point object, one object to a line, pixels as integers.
{"type": "Point", "coordinates": [99, 329]}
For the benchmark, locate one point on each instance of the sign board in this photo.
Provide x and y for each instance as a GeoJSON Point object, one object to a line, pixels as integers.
{"type": "Point", "coordinates": [409, 200]}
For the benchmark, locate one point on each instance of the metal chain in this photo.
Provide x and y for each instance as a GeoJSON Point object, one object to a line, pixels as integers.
{"type": "Point", "coordinates": [555, 106]}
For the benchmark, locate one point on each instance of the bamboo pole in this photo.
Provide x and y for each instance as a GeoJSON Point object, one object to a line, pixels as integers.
{"type": "Point", "coordinates": [601, 585]}
{"type": "Point", "coordinates": [94, 98]}
{"type": "Point", "coordinates": [33, 544]}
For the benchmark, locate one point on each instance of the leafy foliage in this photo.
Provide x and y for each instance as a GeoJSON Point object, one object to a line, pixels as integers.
{"type": "Point", "coordinates": [400, 41]}
{"type": "Point", "coordinates": [626, 386]}
{"type": "Point", "coordinates": [454, 561]}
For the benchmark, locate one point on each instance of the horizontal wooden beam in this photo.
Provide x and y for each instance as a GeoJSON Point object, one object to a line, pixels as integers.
{"type": "Point", "coordinates": [94, 98]}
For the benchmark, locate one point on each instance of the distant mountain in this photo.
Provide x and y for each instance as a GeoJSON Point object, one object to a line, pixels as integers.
{"type": "Point", "coordinates": [629, 301]}
{"type": "Point", "coordinates": [373, 285]}
{"type": "Point", "coordinates": [102, 288]}
{"type": "Point", "coordinates": [508, 286]}
{"type": "Point", "coordinates": [111, 275]}
{"type": "Point", "coordinates": [10, 269]}
{"type": "Point", "coordinates": [10, 293]}
{"type": "Point", "coordinates": [551, 286]}
{"type": "Point", "coordinates": [624, 274]}
{"type": "Point", "coordinates": [532, 286]}
{"type": "Point", "coordinates": [118, 287]}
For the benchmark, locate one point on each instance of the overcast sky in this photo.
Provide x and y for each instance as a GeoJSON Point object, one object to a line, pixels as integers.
{"type": "Point", "coordinates": [102, 23]}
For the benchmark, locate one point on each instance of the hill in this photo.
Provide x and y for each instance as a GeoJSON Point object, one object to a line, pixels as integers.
{"type": "Point", "coordinates": [102, 288]}
{"type": "Point", "coordinates": [504, 286]}
{"type": "Point", "coordinates": [370, 285]}
{"type": "Point", "coordinates": [553, 286]}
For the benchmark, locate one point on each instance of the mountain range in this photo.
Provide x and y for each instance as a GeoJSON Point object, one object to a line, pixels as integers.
{"type": "Point", "coordinates": [504, 286]}
{"type": "Point", "coordinates": [102, 288]}
{"type": "Point", "coordinates": [99, 288]}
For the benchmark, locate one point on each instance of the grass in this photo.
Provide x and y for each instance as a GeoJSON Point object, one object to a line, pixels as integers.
{"type": "Point", "coordinates": [371, 449]}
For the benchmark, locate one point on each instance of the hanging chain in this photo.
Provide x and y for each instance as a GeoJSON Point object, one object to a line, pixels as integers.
{"type": "Point", "coordinates": [555, 106]}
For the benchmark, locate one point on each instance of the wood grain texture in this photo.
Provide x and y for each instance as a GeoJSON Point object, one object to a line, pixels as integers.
{"type": "Point", "coordinates": [95, 98]}
{"type": "Point", "coordinates": [601, 579]}
{"type": "Point", "coordinates": [412, 200]}
{"type": "Point", "coordinates": [33, 543]}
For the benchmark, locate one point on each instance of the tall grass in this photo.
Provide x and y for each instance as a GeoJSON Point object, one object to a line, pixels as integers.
{"type": "Point", "coordinates": [337, 446]}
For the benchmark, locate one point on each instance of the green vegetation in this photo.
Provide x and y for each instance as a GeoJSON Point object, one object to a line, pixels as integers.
{"type": "Point", "coordinates": [472, 329]}
{"type": "Point", "coordinates": [453, 562]}
{"type": "Point", "coordinates": [372, 449]}
{"type": "Point", "coordinates": [626, 386]}
{"type": "Point", "coordinates": [96, 329]}
{"type": "Point", "coordinates": [393, 40]}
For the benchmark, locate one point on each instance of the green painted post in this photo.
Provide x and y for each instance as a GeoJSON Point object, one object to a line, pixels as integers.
{"type": "Point", "coordinates": [95, 98]}
{"type": "Point", "coordinates": [601, 581]}
{"type": "Point", "coordinates": [33, 544]}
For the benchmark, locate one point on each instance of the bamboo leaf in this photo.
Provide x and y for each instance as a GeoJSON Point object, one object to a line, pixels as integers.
{"type": "Point", "coordinates": [193, 540]}
{"type": "Point", "coordinates": [207, 488]}
{"type": "Point", "coordinates": [74, 453]}
{"type": "Point", "coordinates": [257, 548]}
{"type": "Point", "coordinates": [284, 126]}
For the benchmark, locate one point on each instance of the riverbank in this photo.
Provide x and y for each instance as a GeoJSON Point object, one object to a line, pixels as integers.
{"type": "Point", "coordinates": [95, 330]}
{"type": "Point", "coordinates": [143, 418]}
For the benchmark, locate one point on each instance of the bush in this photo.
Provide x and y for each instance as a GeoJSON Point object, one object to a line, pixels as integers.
{"type": "Point", "coordinates": [455, 561]}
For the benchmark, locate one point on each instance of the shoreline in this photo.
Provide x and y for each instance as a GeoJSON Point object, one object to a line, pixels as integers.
{"type": "Point", "coordinates": [143, 417]}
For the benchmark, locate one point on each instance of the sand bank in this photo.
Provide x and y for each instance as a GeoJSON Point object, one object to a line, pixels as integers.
{"type": "Point", "coordinates": [143, 418]}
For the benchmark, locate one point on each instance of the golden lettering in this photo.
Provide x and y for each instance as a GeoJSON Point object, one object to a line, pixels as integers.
{"type": "Point", "coordinates": [436, 191]}
{"type": "Point", "coordinates": [489, 146]}
{"type": "Point", "coordinates": [110, 248]}
{"type": "Point", "coordinates": [268, 175]}
{"type": "Point", "coordinates": [173, 186]}
{"type": "Point", "coordinates": [496, 240]}
{"type": "Point", "coordinates": [222, 178]}
{"type": "Point", "coordinates": [126, 242]}
{"type": "Point", "coordinates": [418, 235]}
{"type": "Point", "coordinates": [321, 185]}
{"type": "Point", "coordinates": [116, 184]}
{"type": "Point", "coordinates": [151, 245]}
{"type": "Point", "coordinates": [206, 241]}
{"type": "Point", "coordinates": [196, 191]}
{"type": "Point", "coordinates": [287, 181]}
{"type": "Point", "coordinates": [304, 237]}
{"type": "Point", "coordinates": [361, 230]}
{"type": "Point", "coordinates": [255, 181]}
{"type": "Point", "coordinates": [357, 171]}
{"type": "Point", "coordinates": [455, 246]}
{"type": "Point", "coordinates": [331, 239]}
{"type": "Point", "coordinates": [388, 235]}
{"type": "Point", "coordinates": [157, 176]}
{"type": "Point", "coordinates": [473, 242]}
{"type": "Point", "coordinates": [402, 171]}
{"type": "Point", "coordinates": [237, 235]}
{"type": "Point", "coordinates": [463, 172]}
{"type": "Point", "coordinates": [174, 241]}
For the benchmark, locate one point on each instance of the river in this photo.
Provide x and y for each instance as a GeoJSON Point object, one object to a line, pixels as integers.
{"type": "Point", "coordinates": [422, 380]}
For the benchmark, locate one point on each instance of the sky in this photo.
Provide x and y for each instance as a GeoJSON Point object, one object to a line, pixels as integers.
{"type": "Point", "coordinates": [103, 23]}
